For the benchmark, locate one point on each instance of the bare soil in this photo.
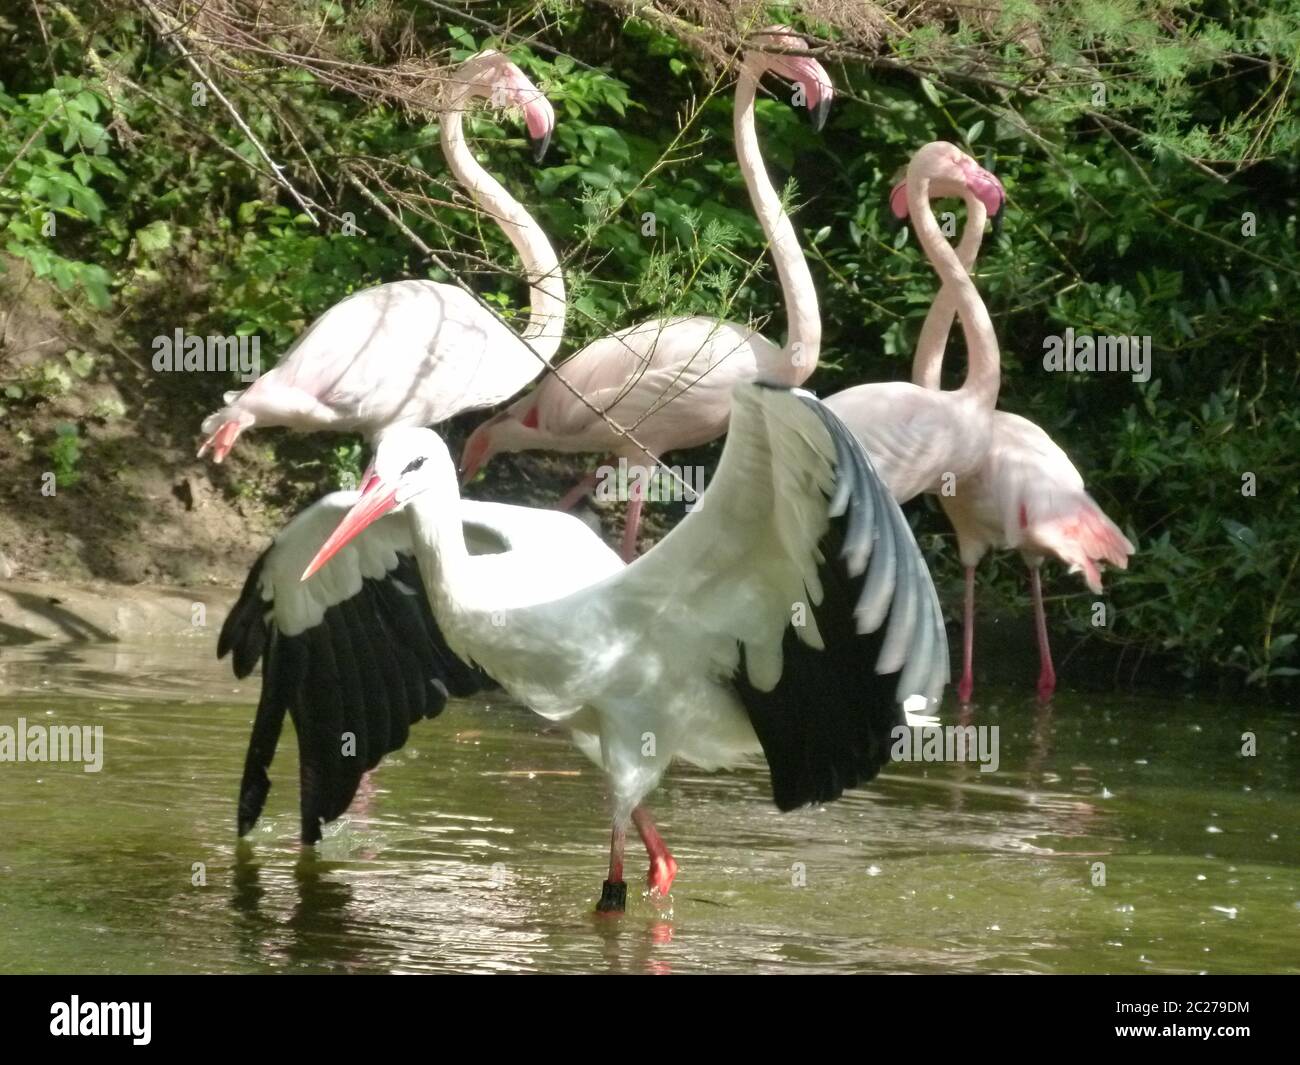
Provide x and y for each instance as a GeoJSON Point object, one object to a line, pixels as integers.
{"type": "Point", "coordinates": [137, 506]}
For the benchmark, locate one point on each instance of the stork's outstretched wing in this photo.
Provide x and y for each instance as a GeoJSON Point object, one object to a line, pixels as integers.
{"type": "Point", "coordinates": [799, 573]}
{"type": "Point", "coordinates": [354, 656]}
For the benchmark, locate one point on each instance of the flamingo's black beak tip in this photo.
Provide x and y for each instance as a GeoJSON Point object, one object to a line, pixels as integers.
{"type": "Point", "coordinates": [540, 144]}
{"type": "Point", "coordinates": [818, 115]}
{"type": "Point", "coordinates": [997, 220]}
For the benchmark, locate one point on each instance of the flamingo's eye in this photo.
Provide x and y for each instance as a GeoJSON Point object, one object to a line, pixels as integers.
{"type": "Point", "coordinates": [413, 465]}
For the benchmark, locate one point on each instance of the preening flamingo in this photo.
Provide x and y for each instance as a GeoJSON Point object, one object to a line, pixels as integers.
{"type": "Point", "coordinates": [671, 379]}
{"type": "Point", "coordinates": [790, 612]}
{"type": "Point", "coordinates": [1026, 494]}
{"type": "Point", "coordinates": [919, 439]}
{"type": "Point", "coordinates": [418, 352]}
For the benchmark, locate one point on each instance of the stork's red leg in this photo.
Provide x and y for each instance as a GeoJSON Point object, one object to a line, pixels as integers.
{"type": "Point", "coordinates": [613, 895]}
{"type": "Point", "coordinates": [967, 684]}
{"type": "Point", "coordinates": [1046, 672]}
{"type": "Point", "coordinates": [663, 866]}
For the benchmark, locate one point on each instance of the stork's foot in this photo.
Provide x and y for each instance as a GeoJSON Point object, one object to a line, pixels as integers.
{"type": "Point", "coordinates": [613, 897]}
{"type": "Point", "coordinates": [965, 688]}
{"type": "Point", "coordinates": [663, 869]}
{"type": "Point", "coordinates": [1046, 686]}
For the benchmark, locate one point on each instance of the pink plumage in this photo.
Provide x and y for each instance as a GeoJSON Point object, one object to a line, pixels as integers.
{"type": "Point", "coordinates": [418, 352]}
{"type": "Point", "coordinates": [1028, 496]}
{"type": "Point", "coordinates": [1024, 493]}
{"type": "Point", "coordinates": [669, 381]}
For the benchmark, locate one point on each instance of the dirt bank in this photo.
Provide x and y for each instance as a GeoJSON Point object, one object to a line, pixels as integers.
{"type": "Point", "coordinates": [98, 475]}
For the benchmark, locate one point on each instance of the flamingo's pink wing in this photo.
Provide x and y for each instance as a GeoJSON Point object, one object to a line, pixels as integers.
{"type": "Point", "coordinates": [1044, 505]}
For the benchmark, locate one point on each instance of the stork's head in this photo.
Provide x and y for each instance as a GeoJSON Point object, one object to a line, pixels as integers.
{"type": "Point", "coordinates": [514, 429]}
{"type": "Point", "coordinates": [408, 462]}
{"type": "Point", "coordinates": [495, 78]}
{"type": "Point", "coordinates": [950, 172]}
{"type": "Point", "coordinates": [814, 89]}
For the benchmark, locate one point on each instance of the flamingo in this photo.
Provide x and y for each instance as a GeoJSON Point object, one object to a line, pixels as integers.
{"type": "Point", "coordinates": [790, 613]}
{"type": "Point", "coordinates": [417, 352]}
{"type": "Point", "coordinates": [919, 439]}
{"type": "Point", "coordinates": [1026, 495]}
{"type": "Point", "coordinates": [672, 379]}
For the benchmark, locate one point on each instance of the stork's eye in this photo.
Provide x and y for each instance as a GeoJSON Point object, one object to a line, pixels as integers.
{"type": "Point", "coordinates": [413, 465]}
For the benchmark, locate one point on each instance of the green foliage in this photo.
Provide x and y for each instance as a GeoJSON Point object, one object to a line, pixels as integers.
{"type": "Point", "coordinates": [1134, 140]}
{"type": "Point", "coordinates": [345, 464]}
{"type": "Point", "coordinates": [53, 153]}
{"type": "Point", "coordinates": [64, 453]}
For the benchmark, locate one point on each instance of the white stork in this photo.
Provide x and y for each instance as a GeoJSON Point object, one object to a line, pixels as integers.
{"type": "Point", "coordinates": [789, 613]}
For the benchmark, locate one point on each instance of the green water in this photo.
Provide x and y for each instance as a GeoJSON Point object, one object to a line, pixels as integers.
{"type": "Point", "coordinates": [481, 847]}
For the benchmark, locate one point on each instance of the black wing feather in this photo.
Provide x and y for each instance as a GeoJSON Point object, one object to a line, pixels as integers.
{"type": "Point", "coordinates": [373, 666]}
{"type": "Point", "coordinates": [828, 723]}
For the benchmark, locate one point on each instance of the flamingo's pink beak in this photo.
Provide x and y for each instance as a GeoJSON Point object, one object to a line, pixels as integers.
{"type": "Point", "coordinates": [818, 91]}
{"type": "Point", "coordinates": [222, 440]}
{"type": "Point", "coordinates": [539, 117]}
{"type": "Point", "coordinates": [377, 499]}
{"type": "Point", "coordinates": [898, 200]}
{"type": "Point", "coordinates": [985, 185]}
{"type": "Point", "coordinates": [474, 455]}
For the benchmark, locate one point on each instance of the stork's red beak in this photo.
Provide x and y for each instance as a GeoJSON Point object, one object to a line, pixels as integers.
{"type": "Point", "coordinates": [377, 499]}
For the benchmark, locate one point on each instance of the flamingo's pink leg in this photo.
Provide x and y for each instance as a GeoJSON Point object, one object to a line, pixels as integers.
{"type": "Point", "coordinates": [577, 493]}
{"type": "Point", "coordinates": [967, 684]}
{"type": "Point", "coordinates": [663, 866]}
{"type": "Point", "coordinates": [633, 523]}
{"type": "Point", "coordinates": [613, 895]}
{"type": "Point", "coordinates": [1046, 672]}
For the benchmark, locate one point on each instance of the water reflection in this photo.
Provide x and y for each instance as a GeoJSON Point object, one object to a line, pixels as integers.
{"type": "Point", "coordinates": [480, 847]}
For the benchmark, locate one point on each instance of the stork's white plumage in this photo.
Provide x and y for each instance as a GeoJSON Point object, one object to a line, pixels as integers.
{"type": "Point", "coordinates": [357, 650]}
{"type": "Point", "coordinates": [789, 613]}
{"type": "Point", "coordinates": [418, 352]}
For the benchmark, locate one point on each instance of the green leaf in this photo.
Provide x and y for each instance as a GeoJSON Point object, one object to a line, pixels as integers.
{"type": "Point", "coordinates": [155, 237]}
{"type": "Point", "coordinates": [462, 37]}
{"type": "Point", "coordinates": [931, 93]}
{"type": "Point", "coordinates": [81, 363]}
{"type": "Point", "coordinates": [1241, 533]}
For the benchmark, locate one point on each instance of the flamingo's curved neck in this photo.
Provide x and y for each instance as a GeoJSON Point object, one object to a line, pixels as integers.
{"type": "Point", "coordinates": [804, 328]}
{"type": "Point", "coordinates": [984, 373]}
{"type": "Point", "coordinates": [927, 363]}
{"type": "Point", "coordinates": [546, 283]}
